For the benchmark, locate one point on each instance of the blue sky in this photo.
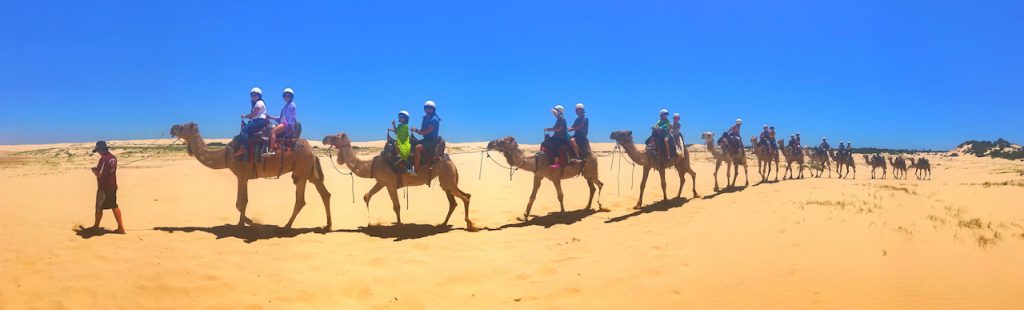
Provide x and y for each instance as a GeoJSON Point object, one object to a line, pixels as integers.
{"type": "Point", "coordinates": [917, 74]}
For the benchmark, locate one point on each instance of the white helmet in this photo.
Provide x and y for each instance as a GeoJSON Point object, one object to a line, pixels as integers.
{"type": "Point", "coordinates": [404, 112]}
{"type": "Point", "coordinates": [675, 115]}
{"type": "Point", "coordinates": [560, 108]}
{"type": "Point", "coordinates": [256, 90]}
{"type": "Point", "coordinates": [765, 125]}
{"type": "Point", "coordinates": [430, 103]}
{"type": "Point", "coordinates": [579, 105]}
{"type": "Point", "coordinates": [798, 133]}
{"type": "Point", "coordinates": [662, 112]}
{"type": "Point", "coordinates": [739, 121]}
{"type": "Point", "coordinates": [289, 91]}
{"type": "Point", "coordinates": [823, 138]}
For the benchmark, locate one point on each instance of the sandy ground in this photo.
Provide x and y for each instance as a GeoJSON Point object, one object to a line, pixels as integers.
{"type": "Point", "coordinates": [956, 241]}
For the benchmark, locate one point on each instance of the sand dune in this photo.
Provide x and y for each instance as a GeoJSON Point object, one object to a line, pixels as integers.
{"type": "Point", "coordinates": [956, 241]}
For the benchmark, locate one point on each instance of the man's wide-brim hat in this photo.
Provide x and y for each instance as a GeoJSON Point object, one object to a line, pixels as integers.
{"type": "Point", "coordinates": [101, 146]}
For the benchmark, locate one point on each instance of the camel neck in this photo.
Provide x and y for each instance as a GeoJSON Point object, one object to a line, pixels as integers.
{"type": "Point", "coordinates": [710, 145]}
{"type": "Point", "coordinates": [360, 168]}
{"type": "Point", "coordinates": [635, 155]}
{"type": "Point", "coordinates": [213, 159]}
{"type": "Point", "coordinates": [516, 158]}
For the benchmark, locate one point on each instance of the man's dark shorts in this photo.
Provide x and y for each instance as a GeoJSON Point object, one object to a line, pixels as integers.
{"type": "Point", "coordinates": [106, 199]}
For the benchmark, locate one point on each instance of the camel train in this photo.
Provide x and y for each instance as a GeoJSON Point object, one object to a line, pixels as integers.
{"type": "Point", "coordinates": [294, 155]}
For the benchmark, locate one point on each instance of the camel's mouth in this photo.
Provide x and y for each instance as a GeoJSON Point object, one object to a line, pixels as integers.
{"type": "Point", "coordinates": [175, 129]}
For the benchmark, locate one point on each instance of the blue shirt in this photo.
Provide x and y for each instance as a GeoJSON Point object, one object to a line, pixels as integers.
{"type": "Point", "coordinates": [431, 121]}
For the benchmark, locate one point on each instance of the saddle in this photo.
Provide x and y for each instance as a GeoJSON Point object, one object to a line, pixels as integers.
{"type": "Point", "coordinates": [563, 150]}
{"type": "Point", "coordinates": [655, 146]}
{"type": "Point", "coordinates": [259, 145]}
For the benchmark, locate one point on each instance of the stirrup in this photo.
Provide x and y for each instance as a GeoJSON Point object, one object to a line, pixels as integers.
{"type": "Point", "coordinates": [269, 154]}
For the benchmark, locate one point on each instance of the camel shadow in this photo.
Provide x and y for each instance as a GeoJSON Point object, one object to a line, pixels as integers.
{"type": "Point", "coordinates": [552, 219]}
{"type": "Point", "coordinates": [89, 232]}
{"type": "Point", "coordinates": [660, 206]}
{"type": "Point", "coordinates": [249, 234]}
{"type": "Point", "coordinates": [765, 182]}
{"type": "Point", "coordinates": [726, 191]}
{"type": "Point", "coordinates": [400, 232]}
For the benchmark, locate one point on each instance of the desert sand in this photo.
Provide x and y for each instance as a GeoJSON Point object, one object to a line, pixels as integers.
{"type": "Point", "coordinates": [956, 241]}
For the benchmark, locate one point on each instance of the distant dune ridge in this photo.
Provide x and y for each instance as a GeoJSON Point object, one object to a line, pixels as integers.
{"type": "Point", "coordinates": [1000, 148]}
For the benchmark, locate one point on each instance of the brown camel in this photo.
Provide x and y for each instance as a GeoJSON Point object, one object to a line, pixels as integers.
{"type": "Point", "coordinates": [624, 139]}
{"type": "Point", "coordinates": [540, 166]}
{"type": "Point", "coordinates": [899, 167]}
{"type": "Point", "coordinates": [819, 160]}
{"type": "Point", "coordinates": [377, 169]}
{"type": "Point", "coordinates": [732, 159]}
{"type": "Point", "coordinates": [876, 162]}
{"type": "Point", "coordinates": [922, 168]}
{"type": "Point", "coordinates": [765, 156]}
{"type": "Point", "coordinates": [842, 160]}
{"type": "Point", "coordinates": [792, 155]}
{"type": "Point", "coordinates": [300, 162]}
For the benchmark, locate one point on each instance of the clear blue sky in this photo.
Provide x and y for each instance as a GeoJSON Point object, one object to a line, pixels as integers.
{"type": "Point", "coordinates": [919, 74]}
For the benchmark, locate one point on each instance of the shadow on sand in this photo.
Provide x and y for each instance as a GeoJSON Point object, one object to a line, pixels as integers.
{"type": "Point", "coordinates": [89, 232]}
{"type": "Point", "coordinates": [551, 219]}
{"type": "Point", "coordinates": [765, 182]}
{"type": "Point", "coordinates": [249, 234]}
{"type": "Point", "coordinates": [400, 232]}
{"type": "Point", "coordinates": [660, 206]}
{"type": "Point", "coordinates": [726, 191]}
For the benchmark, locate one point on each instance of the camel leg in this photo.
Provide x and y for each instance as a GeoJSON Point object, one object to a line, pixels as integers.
{"type": "Point", "coordinates": [558, 189]}
{"type": "Point", "coordinates": [693, 184]}
{"type": "Point", "coordinates": [533, 196]}
{"type": "Point", "coordinates": [242, 200]}
{"type": "Point", "coordinates": [643, 184]}
{"type": "Point", "coordinates": [600, 187]}
{"type": "Point", "coordinates": [373, 190]}
{"type": "Point", "coordinates": [326, 197]}
{"type": "Point", "coordinates": [300, 201]}
{"type": "Point", "coordinates": [465, 203]}
{"type": "Point", "coordinates": [590, 199]}
{"type": "Point", "coordinates": [776, 170]}
{"type": "Point", "coordinates": [746, 178]}
{"type": "Point", "coordinates": [718, 164]}
{"type": "Point", "coordinates": [664, 192]}
{"type": "Point", "coordinates": [393, 192]}
{"type": "Point", "coordinates": [728, 174]}
{"type": "Point", "coordinates": [682, 181]}
{"type": "Point", "coordinates": [451, 207]}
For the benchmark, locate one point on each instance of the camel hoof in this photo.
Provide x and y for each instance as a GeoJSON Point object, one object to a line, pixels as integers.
{"type": "Point", "coordinates": [327, 228]}
{"type": "Point", "coordinates": [603, 209]}
{"type": "Point", "coordinates": [637, 207]}
{"type": "Point", "coordinates": [470, 227]}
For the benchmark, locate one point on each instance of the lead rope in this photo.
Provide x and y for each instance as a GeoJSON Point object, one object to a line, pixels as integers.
{"type": "Point", "coordinates": [349, 174]}
{"type": "Point", "coordinates": [511, 170]}
{"type": "Point", "coordinates": [151, 155]}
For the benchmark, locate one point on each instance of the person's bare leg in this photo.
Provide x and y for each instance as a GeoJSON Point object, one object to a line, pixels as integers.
{"type": "Point", "coordinates": [99, 216]}
{"type": "Point", "coordinates": [120, 223]}
{"type": "Point", "coordinates": [273, 136]}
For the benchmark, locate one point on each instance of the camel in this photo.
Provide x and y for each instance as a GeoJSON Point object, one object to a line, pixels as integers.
{"type": "Point", "coordinates": [765, 156]}
{"type": "Point", "coordinates": [819, 160]}
{"type": "Point", "coordinates": [843, 160]}
{"type": "Point", "coordinates": [540, 166]}
{"type": "Point", "coordinates": [899, 167]}
{"type": "Point", "coordinates": [875, 163]}
{"type": "Point", "coordinates": [300, 162]}
{"type": "Point", "coordinates": [732, 160]}
{"type": "Point", "coordinates": [624, 139]}
{"type": "Point", "coordinates": [922, 168]}
{"type": "Point", "coordinates": [792, 155]}
{"type": "Point", "coordinates": [377, 169]}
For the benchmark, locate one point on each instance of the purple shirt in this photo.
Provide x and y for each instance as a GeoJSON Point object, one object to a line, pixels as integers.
{"type": "Point", "coordinates": [288, 116]}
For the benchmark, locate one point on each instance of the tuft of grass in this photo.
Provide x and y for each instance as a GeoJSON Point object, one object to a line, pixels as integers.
{"type": "Point", "coordinates": [936, 219]}
{"type": "Point", "coordinates": [898, 189]}
{"type": "Point", "coordinates": [974, 223]}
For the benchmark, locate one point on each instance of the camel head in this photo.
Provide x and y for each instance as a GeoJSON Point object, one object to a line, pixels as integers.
{"type": "Point", "coordinates": [708, 136]}
{"type": "Point", "coordinates": [185, 130]}
{"type": "Point", "coordinates": [622, 136]}
{"type": "Point", "coordinates": [339, 140]}
{"type": "Point", "coordinates": [504, 144]}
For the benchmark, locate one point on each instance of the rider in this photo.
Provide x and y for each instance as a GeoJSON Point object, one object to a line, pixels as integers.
{"type": "Point", "coordinates": [661, 132]}
{"type": "Point", "coordinates": [285, 121]}
{"type": "Point", "coordinates": [734, 132]}
{"type": "Point", "coordinates": [580, 128]}
{"type": "Point", "coordinates": [771, 139]}
{"type": "Point", "coordinates": [429, 128]}
{"type": "Point", "coordinates": [559, 135]}
{"type": "Point", "coordinates": [824, 147]}
{"type": "Point", "coordinates": [841, 148]}
{"type": "Point", "coordinates": [677, 136]}
{"type": "Point", "coordinates": [258, 120]}
{"type": "Point", "coordinates": [792, 144]}
{"type": "Point", "coordinates": [798, 140]}
{"type": "Point", "coordinates": [766, 136]}
{"type": "Point", "coordinates": [402, 140]}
